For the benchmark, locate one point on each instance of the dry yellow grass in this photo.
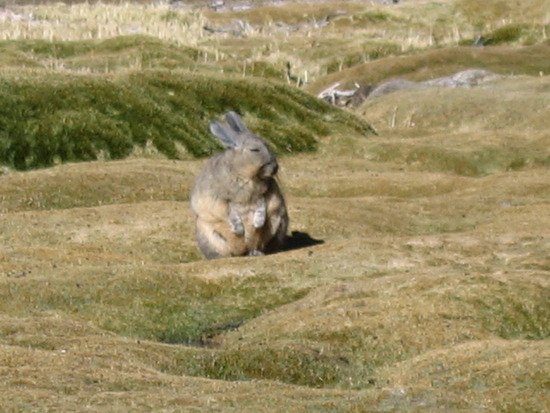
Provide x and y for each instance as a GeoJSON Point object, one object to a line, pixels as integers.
{"type": "Point", "coordinates": [355, 33]}
{"type": "Point", "coordinates": [430, 290]}
{"type": "Point", "coordinates": [83, 21]}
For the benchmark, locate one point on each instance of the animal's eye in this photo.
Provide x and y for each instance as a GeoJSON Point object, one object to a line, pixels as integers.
{"type": "Point", "coordinates": [254, 149]}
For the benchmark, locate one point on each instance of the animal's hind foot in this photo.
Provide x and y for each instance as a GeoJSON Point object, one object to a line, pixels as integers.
{"type": "Point", "coordinates": [255, 253]}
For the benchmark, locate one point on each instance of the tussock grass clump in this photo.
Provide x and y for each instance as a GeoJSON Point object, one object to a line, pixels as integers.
{"type": "Point", "coordinates": [365, 53]}
{"type": "Point", "coordinates": [468, 109]}
{"type": "Point", "coordinates": [513, 34]}
{"type": "Point", "coordinates": [440, 124]}
{"type": "Point", "coordinates": [49, 118]}
{"type": "Point", "coordinates": [424, 65]}
{"type": "Point", "coordinates": [109, 55]}
{"type": "Point", "coordinates": [506, 34]}
{"type": "Point", "coordinates": [129, 52]}
{"type": "Point", "coordinates": [507, 21]}
{"type": "Point", "coordinates": [490, 14]}
{"type": "Point", "coordinates": [291, 364]}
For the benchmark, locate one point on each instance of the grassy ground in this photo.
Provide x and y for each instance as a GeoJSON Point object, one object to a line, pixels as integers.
{"type": "Point", "coordinates": [424, 283]}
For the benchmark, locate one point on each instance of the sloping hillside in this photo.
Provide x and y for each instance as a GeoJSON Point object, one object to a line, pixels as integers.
{"type": "Point", "coordinates": [430, 287]}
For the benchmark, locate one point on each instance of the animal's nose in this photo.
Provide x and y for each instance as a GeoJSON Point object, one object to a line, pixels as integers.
{"type": "Point", "coordinates": [269, 169]}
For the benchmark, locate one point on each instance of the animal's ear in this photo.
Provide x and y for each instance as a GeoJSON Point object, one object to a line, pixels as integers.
{"type": "Point", "coordinates": [235, 121]}
{"type": "Point", "coordinates": [228, 137]}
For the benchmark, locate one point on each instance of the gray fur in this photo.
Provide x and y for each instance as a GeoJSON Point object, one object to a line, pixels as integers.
{"type": "Point", "coordinates": [238, 205]}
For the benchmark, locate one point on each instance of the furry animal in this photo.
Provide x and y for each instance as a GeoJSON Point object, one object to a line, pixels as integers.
{"type": "Point", "coordinates": [238, 205]}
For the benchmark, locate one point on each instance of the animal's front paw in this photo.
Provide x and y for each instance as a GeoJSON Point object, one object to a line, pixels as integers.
{"type": "Point", "coordinates": [258, 220]}
{"type": "Point", "coordinates": [237, 227]}
{"type": "Point", "coordinates": [235, 222]}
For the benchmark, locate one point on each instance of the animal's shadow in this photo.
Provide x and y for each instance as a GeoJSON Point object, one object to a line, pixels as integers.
{"type": "Point", "coordinates": [299, 240]}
